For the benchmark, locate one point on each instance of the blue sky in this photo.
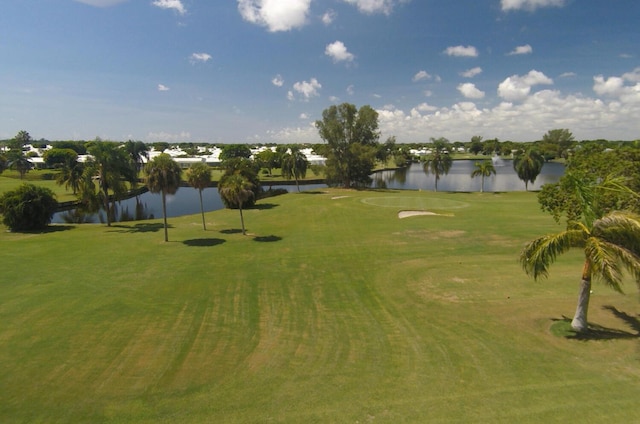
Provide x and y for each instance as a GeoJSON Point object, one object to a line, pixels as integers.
{"type": "Point", "coordinates": [264, 70]}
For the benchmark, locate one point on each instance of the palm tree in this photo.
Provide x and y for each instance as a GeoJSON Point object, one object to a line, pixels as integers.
{"type": "Point", "coordinates": [199, 176]}
{"type": "Point", "coordinates": [109, 165]}
{"type": "Point", "coordinates": [483, 169]}
{"type": "Point", "coordinates": [236, 189]}
{"type": "Point", "coordinates": [610, 243]}
{"type": "Point", "coordinates": [294, 165]}
{"type": "Point", "coordinates": [437, 163]}
{"type": "Point", "coordinates": [163, 176]}
{"type": "Point", "coordinates": [70, 175]}
{"type": "Point", "coordinates": [528, 166]}
{"type": "Point", "coordinates": [138, 152]}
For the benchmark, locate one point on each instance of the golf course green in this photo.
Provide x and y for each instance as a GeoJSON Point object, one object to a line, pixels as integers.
{"type": "Point", "coordinates": [331, 309]}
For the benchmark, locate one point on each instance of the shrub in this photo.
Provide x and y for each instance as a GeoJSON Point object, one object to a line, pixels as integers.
{"type": "Point", "coordinates": [28, 207]}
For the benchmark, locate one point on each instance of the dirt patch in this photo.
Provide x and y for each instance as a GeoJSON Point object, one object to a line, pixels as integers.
{"type": "Point", "coordinates": [338, 197]}
{"type": "Point", "coordinates": [407, 214]}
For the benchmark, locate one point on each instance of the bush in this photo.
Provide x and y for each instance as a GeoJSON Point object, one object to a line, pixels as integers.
{"type": "Point", "coordinates": [28, 207]}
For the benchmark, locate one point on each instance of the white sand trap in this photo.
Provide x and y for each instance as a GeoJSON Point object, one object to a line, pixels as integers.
{"type": "Point", "coordinates": [407, 214]}
{"type": "Point", "coordinates": [338, 197]}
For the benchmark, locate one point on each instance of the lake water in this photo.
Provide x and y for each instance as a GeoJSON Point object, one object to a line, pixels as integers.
{"type": "Point", "coordinates": [187, 202]}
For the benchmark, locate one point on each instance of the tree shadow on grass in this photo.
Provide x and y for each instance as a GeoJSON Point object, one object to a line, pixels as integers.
{"type": "Point", "coordinates": [231, 231]}
{"type": "Point", "coordinates": [267, 239]}
{"type": "Point", "coordinates": [263, 206]}
{"type": "Point", "coordinates": [141, 227]}
{"type": "Point", "coordinates": [55, 228]}
{"type": "Point", "coordinates": [205, 242]}
{"type": "Point", "coordinates": [562, 327]}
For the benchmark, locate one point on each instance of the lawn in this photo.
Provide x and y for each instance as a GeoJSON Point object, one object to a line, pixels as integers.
{"type": "Point", "coordinates": [331, 310]}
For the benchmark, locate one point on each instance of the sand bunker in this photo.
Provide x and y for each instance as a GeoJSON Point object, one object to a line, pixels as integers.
{"type": "Point", "coordinates": [407, 214]}
{"type": "Point", "coordinates": [338, 197]}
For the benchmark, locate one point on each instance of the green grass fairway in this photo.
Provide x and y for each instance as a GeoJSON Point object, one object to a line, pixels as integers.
{"type": "Point", "coordinates": [331, 310]}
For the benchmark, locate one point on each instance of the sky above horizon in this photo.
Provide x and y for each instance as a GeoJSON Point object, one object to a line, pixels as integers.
{"type": "Point", "coordinates": [262, 71]}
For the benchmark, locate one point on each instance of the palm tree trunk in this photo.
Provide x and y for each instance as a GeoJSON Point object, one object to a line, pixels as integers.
{"type": "Point", "coordinates": [164, 215]}
{"type": "Point", "coordinates": [482, 185]}
{"type": "Point", "coordinates": [204, 226]}
{"type": "Point", "coordinates": [579, 322]}
{"type": "Point", "coordinates": [105, 203]}
{"type": "Point", "coordinates": [242, 219]}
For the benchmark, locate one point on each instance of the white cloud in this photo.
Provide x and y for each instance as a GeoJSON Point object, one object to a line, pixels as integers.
{"type": "Point", "coordinates": [328, 17]}
{"type": "Point", "coordinates": [461, 51]}
{"type": "Point", "coordinates": [275, 15]}
{"type": "Point", "coordinates": [516, 88]}
{"type": "Point", "coordinates": [351, 90]}
{"type": "Point", "coordinates": [470, 91]}
{"type": "Point", "coordinates": [375, 6]}
{"type": "Point", "coordinates": [303, 116]}
{"type": "Point", "coordinates": [421, 75]}
{"type": "Point", "coordinates": [171, 4]}
{"type": "Point", "coordinates": [530, 5]}
{"type": "Point", "coordinates": [526, 49]}
{"type": "Point", "coordinates": [306, 89]}
{"type": "Point", "coordinates": [617, 88]}
{"type": "Point", "coordinates": [338, 52]}
{"type": "Point", "coordinates": [162, 87]}
{"type": "Point", "coordinates": [334, 99]}
{"type": "Point", "coordinates": [199, 57]}
{"type": "Point", "coordinates": [567, 75]}
{"type": "Point", "coordinates": [470, 73]}
{"type": "Point", "coordinates": [277, 81]}
{"type": "Point", "coordinates": [101, 3]}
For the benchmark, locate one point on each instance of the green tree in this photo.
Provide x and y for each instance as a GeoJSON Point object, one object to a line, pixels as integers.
{"type": "Point", "coordinates": [163, 176]}
{"type": "Point", "coordinates": [109, 165]}
{"type": "Point", "coordinates": [295, 165]}
{"type": "Point", "coordinates": [161, 146]}
{"type": "Point", "coordinates": [268, 159]}
{"type": "Point", "coordinates": [610, 242]}
{"type": "Point", "coordinates": [561, 141]}
{"type": "Point", "coordinates": [199, 177]}
{"type": "Point", "coordinates": [27, 208]}
{"type": "Point", "coordinates": [249, 170]}
{"type": "Point", "coordinates": [483, 169]}
{"type": "Point", "coordinates": [138, 152]}
{"type": "Point", "coordinates": [230, 151]}
{"type": "Point", "coordinates": [528, 166]}
{"type": "Point", "coordinates": [236, 189]}
{"type": "Point", "coordinates": [438, 162]}
{"type": "Point", "coordinates": [17, 161]}
{"type": "Point", "coordinates": [352, 137]}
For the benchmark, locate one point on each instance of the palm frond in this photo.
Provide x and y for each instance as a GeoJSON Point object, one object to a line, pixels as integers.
{"type": "Point", "coordinates": [539, 254]}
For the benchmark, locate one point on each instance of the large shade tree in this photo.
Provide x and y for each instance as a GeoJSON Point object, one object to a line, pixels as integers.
{"type": "Point", "coordinates": [438, 162]}
{"type": "Point", "coordinates": [294, 165]}
{"type": "Point", "coordinates": [610, 242]}
{"type": "Point", "coordinates": [528, 165]}
{"type": "Point", "coordinates": [199, 177]}
{"type": "Point", "coordinates": [163, 176]}
{"type": "Point", "coordinates": [483, 169]}
{"type": "Point", "coordinates": [352, 137]}
{"type": "Point", "coordinates": [236, 189]}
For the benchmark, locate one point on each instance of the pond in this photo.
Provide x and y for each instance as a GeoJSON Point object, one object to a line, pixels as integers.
{"type": "Point", "coordinates": [186, 200]}
{"type": "Point", "coordinates": [459, 178]}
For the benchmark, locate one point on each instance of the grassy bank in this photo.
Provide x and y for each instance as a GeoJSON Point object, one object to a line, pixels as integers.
{"type": "Point", "coordinates": [332, 310]}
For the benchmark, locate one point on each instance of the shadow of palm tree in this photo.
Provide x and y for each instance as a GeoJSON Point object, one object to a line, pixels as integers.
{"type": "Point", "coordinates": [231, 231]}
{"type": "Point", "coordinates": [206, 242]}
{"type": "Point", "coordinates": [55, 228]}
{"type": "Point", "coordinates": [267, 239]}
{"type": "Point", "coordinates": [599, 332]}
{"type": "Point", "coordinates": [264, 206]}
{"type": "Point", "coordinates": [140, 227]}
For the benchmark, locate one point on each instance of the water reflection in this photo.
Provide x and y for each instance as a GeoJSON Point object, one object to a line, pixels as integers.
{"type": "Point", "coordinates": [459, 178]}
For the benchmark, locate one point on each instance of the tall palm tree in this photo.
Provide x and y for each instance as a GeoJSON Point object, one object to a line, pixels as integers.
{"type": "Point", "coordinates": [483, 169]}
{"type": "Point", "coordinates": [163, 176]}
{"type": "Point", "coordinates": [199, 176]}
{"type": "Point", "coordinates": [110, 166]}
{"type": "Point", "coordinates": [437, 163]}
{"type": "Point", "coordinates": [70, 175]}
{"type": "Point", "coordinates": [138, 152]}
{"type": "Point", "coordinates": [237, 189]}
{"type": "Point", "coordinates": [528, 166]}
{"type": "Point", "coordinates": [294, 165]}
{"type": "Point", "coordinates": [610, 243]}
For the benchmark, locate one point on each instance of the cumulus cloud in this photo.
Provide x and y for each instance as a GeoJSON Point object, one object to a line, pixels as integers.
{"type": "Point", "coordinates": [516, 87]}
{"type": "Point", "coordinates": [376, 6]}
{"type": "Point", "coordinates": [275, 15]}
{"type": "Point", "coordinates": [338, 52]}
{"type": "Point", "coordinates": [470, 91]}
{"type": "Point", "coordinates": [199, 57]}
{"type": "Point", "coordinates": [526, 49]}
{"type": "Point", "coordinates": [328, 17]}
{"type": "Point", "coordinates": [462, 51]}
{"type": "Point", "coordinates": [470, 73]}
{"type": "Point", "coordinates": [162, 87]}
{"type": "Point", "coordinates": [529, 5]}
{"type": "Point", "coordinates": [617, 87]}
{"type": "Point", "coordinates": [305, 89]}
{"type": "Point", "coordinates": [171, 4]}
{"type": "Point", "coordinates": [277, 81]}
{"type": "Point", "coordinates": [421, 75]}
